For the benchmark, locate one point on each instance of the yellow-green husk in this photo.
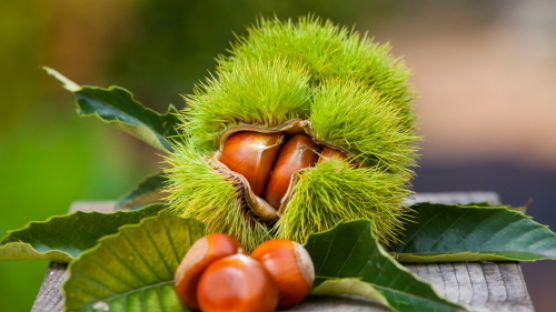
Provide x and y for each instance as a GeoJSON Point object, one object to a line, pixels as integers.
{"type": "Point", "coordinates": [354, 94]}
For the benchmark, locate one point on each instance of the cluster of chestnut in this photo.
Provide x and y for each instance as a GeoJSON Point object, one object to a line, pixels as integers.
{"type": "Point", "coordinates": [269, 160]}
{"type": "Point", "coordinates": [215, 275]}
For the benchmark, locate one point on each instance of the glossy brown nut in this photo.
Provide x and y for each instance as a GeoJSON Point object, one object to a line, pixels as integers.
{"type": "Point", "coordinates": [237, 283]}
{"type": "Point", "coordinates": [202, 253]}
{"type": "Point", "coordinates": [328, 153]}
{"type": "Point", "coordinates": [297, 153]}
{"type": "Point", "coordinates": [291, 267]}
{"type": "Point", "coordinates": [252, 154]}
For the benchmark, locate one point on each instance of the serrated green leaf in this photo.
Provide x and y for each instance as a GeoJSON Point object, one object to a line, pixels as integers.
{"type": "Point", "coordinates": [349, 260]}
{"type": "Point", "coordinates": [62, 238]}
{"type": "Point", "coordinates": [116, 105]}
{"type": "Point", "coordinates": [475, 232]}
{"type": "Point", "coordinates": [134, 267]}
{"type": "Point", "coordinates": [146, 192]}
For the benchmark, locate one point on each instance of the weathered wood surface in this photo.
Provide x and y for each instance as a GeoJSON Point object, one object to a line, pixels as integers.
{"type": "Point", "coordinates": [480, 286]}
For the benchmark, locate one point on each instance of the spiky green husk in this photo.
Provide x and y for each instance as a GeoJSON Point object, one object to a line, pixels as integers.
{"type": "Point", "coordinates": [333, 191]}
{"type": "Point", "coordinates": [327, 51]}
{"type": "Point", "coordinates": [354, 94]}
{"type": "Point", "coordinates": [357, 118]}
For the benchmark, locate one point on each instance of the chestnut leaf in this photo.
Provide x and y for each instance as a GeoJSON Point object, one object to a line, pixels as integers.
{"type": "Point", "coordinates": [148, 191]}
{"type": "Point", "coordinates": [473, 232]}
{"type": "Point", "coordinates": [349, 261]}
{"type": "Point", "coordinates": [62, 238]}
{"type": "Point", "coordinates": [133, 270]}
{"type": "Point", "coordinates": [116, 105]}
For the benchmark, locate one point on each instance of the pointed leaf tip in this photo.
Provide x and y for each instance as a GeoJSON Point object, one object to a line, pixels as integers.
{"type": "Point", "coordinates": [66, 82]}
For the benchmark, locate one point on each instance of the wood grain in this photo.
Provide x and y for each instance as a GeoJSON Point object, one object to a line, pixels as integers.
{"type": "Point", "coordinates": [481, 286]}
{"type": "Point", "coordinates": [49, 297]}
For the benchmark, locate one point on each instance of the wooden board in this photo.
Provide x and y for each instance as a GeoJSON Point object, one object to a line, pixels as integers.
{"type": "Point", "coordinates": [481, 286]}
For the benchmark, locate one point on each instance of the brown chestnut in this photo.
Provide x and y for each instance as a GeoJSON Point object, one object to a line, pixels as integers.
{"type": "Point", "coordinates": [201, 254]}
{"type": "Point", "coordinates": [291, 267]}
{"type": "Point", "coordinates": [297, 153]}
{"type": "Point", "coordinates": [237, 283]}
{"type": "Point", "coordinates": [252, 154]}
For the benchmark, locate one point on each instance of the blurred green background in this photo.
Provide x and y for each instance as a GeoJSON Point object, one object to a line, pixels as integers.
{"type": "Point", "coordinates": [158, 49]}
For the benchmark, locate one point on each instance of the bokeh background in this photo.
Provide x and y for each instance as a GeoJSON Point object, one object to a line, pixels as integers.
{"type": "Point", "coordinates": [485, 72]}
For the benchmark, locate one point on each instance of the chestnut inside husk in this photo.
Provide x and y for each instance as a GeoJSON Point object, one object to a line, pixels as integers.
{"type": "Point", "coordinates": [260, 207]}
